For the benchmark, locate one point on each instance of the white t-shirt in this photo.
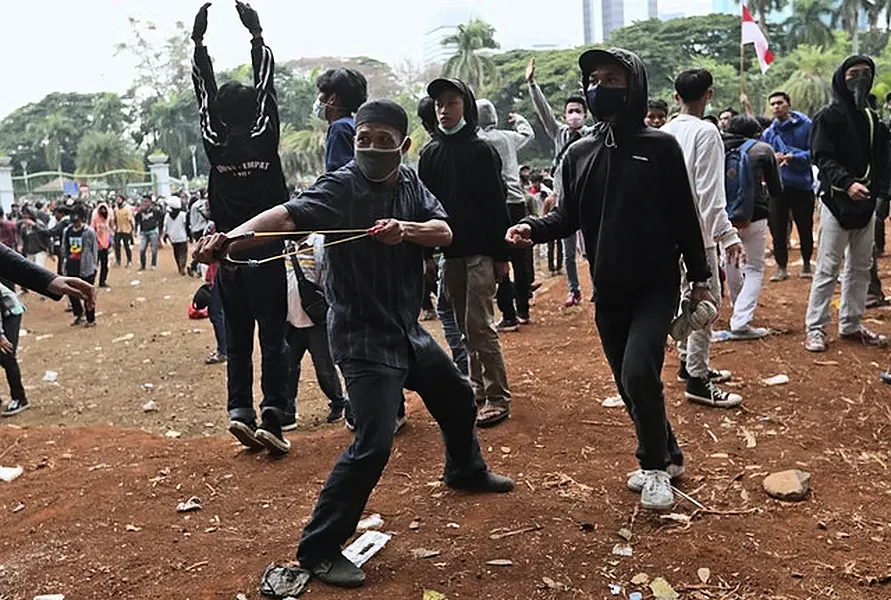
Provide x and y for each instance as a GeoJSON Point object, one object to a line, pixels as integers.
{"type": "Point", "coordinates": [310, 262]}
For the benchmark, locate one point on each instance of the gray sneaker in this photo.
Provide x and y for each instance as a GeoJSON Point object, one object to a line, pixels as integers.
{"type": "Point", "coordinates": [657, 493]}
{"type": "Point", "coordinates": [749, 333]}
{"type": "Point", "coordinates": [637, 480]}
{"type": "Point", "coordinates": [780, 275]}
{"type": "Point", "coordinates": [816, 341]}
{"type": "Point", "coordinates": [339, 572]}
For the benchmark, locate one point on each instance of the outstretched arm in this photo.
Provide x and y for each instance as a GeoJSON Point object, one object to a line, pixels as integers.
{"type": "Point", "coordinates": [203, 79]}
{"type": "Point", "coordinates": [264, 72]}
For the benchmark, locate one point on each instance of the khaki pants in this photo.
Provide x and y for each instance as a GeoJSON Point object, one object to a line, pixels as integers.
{"type": "Point", "coordinates": [470, 285]}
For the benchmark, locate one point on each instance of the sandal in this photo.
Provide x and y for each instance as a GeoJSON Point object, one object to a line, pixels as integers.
{"type": "Point", "coordinates": [492, 413]}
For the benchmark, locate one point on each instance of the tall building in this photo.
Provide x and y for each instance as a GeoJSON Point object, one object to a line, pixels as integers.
{"type": "Point", "coordinates": [445, 23]}
{"type": "Point", "coordinates": [602, 17]}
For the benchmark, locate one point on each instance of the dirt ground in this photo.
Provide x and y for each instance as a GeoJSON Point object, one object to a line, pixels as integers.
{"type": "Point", "coordinates": [94, 514]}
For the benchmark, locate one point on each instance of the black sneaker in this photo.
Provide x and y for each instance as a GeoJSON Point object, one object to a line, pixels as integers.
{"type": "Point", "coordinates": [506, 325]}
{"type": "Point", "coordinates": [269, 433]}
{"type": "Point", "coordinates": [246, 434]}
{"type": "Point", "coordinates": [290, 423]}
{"type": "Point", "coordinates": [15, 407]}
{"type": "Point", "coordinates": [713, 375]}
{"type": "Point", "coordinates": [705, 392]}
{"type": "Point", "coordinates": [523, 319]}
{"type": "Point", "coordinates": [77, 322]}
{"type": "Point", "coordinates": [339, 572]}
{"type": "Point", "coordinates": [335, 415]}
{"type": "Point", "coordinates": [487, 483]}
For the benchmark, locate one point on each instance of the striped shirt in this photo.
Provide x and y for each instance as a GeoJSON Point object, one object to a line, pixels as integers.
{"type": "Point", "coordinates": [374, 291]}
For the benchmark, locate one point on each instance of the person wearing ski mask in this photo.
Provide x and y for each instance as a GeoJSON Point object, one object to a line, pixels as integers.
{"type": "Point", "coordinates": [849, 146]}
{"type": "Point", "coordinates": [240, 132]}
{"type": "Point", "coordinates": [374, 288]}
{"type": "Point", "coordinates": [562, 135]}
{"type": "Point", "coordinates": [341, 93]}
{"type": "Point", "coordinates": [464, 172]}
{"type": "Point", "coordinates": [626, 188]}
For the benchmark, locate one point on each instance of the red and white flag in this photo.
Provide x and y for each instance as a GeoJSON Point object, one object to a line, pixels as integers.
{"type": "Point", "coordinates": [752, 34]}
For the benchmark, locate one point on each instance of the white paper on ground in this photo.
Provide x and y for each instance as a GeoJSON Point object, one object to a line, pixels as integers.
{"type": "Point", "coordinates": [366, 545]}
{"type": "Point", "coordinates": [7, 474]}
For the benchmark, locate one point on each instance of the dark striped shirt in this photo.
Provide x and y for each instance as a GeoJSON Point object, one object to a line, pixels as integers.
{"type": "Point", "coordinates": [374, 290]}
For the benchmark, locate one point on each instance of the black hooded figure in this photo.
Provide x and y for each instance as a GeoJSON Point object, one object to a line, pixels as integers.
{"type": "Point", "coordinates": [240, 132]}
{"type": "Point", "coordinates": [464, 173]}
{"type": "Point", "coordinates": [625, 187]}
{"type": "Point", "coordinates": [849, 145]}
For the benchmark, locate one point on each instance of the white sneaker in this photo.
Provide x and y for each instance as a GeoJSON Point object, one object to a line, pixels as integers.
{"type": "Point", "coordinates": [657, 493]}
{"type": "Point", "coordinates": [637, 480]}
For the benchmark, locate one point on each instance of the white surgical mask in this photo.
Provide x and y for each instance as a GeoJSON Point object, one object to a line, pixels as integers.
{"type": "Point", "coordinates": [575, 120]}
{"type": "Point", "coordinates": [318, 109]}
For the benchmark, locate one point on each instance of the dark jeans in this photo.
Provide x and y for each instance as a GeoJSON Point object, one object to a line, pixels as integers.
{"type": "Point", "coordinates": [513, 296]}
{"type": "Point", "coordinates": [149, 238]}
{"type": "Point", "coordinates": [375, 393]}
{"type": "Point", "coordinates": [314, 339]}
{"type": "Point", "coordinates": [11, 326]}
{"type": "Point", "coordinates": [217, 319]}
{"type": "Point", "coordinates": [882, 210]}
{"type": "Point", "coordinates": [256, 295]}
{"type": "Point", "coordinates": [555, 255]}
{"type": "Point", "coordinates": [102, 256]}
{"type": "Point", "coordinates": [875, 284]}
{"type": "Point", "coordinates": [127, 240]}
{"type": "Point", "coordinates": [454, 337]}
{"type": "Point", "coordinates": [181, 255]}
{"type": "Point", "coordinates": [801, 204]}
{"type": "Point", "coordinates": [77, 306]}
{"type": "Point", "coordinates": [633, 330]}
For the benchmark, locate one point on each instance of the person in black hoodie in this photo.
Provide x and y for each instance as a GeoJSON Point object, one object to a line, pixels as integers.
{"type": "Point", "coordinates": [464, 173]}
{"type": "Point", "coordinates": [240, 132]}
{"type": "Point", "coordinates": [849, 145]}
{"type": "Point", "coordinates": [626, 187]}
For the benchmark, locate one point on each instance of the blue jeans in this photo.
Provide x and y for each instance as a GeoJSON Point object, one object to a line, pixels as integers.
{"type": "Point", "coordinates": [256, 295]}
{"type": "Point", "coordinates": [375, 393]}
{"type": "Point", "coordinates": [217, 319]}
{"type": "Point", "coordinates": [148, 237]}
{"type": "Point", "coordinates": [570, 247]}
{"type": "Point", "coordinates": [454, 337]}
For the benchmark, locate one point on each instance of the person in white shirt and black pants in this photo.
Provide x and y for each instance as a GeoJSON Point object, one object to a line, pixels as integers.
{"type": "Point", "coordinates": [308, 330]}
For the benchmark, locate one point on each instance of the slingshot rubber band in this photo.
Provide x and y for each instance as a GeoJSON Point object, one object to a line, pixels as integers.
{"type": "Point", "coordinates": [256, 262]}
{"type": "Point", "coordinates": [248, 235]}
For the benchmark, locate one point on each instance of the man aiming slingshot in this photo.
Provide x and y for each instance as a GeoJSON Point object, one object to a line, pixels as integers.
{"type": "Point", "coordinates": [240, 132]}
{"type": "Point", "coordinates": [374, 287]}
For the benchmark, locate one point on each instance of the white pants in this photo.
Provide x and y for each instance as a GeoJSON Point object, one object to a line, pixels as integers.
{"type": "Point", "coordinates": [834, 241]}
{"type": "Point", "coordinates": [696, 349]}
{"type": "Point", "coordinates": [744, 282]}
{"type": "Point", "coordinates": [38, 259]}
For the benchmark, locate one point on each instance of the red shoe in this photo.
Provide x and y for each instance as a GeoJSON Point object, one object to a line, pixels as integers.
{"type": "Point", "coordinates": [574, 299]}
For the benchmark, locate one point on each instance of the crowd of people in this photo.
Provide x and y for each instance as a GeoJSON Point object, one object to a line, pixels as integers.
{"type": "Point", "coordinates": [668, 204]}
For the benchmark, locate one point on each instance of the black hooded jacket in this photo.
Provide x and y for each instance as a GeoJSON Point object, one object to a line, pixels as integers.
{"type": "Point", "coordinates": [464, 173]}
{"type": "Point", "coordinates": [626, 187]}
{"type": "Point", "coordinates": [850, 145]}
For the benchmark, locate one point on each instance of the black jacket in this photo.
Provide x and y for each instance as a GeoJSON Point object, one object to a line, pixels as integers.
{"type": "Point", "coordinates": [14, 268]}
{"type": "Point", "coordinates": [850, 145]}
{"type": "Point", "coordinates": [763, 162]}
{"type": "Point", "coordinates": [245, 179]}
{"type": "Point", "coordinates": [464, 173]}
{"type": "Point", "coordinates": [626, 187]}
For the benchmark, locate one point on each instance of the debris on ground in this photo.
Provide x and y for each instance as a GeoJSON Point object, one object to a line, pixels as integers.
{"type": "Point", "coordinates": [662, 590]}
{"type": "Point", "coordinates": [704, 574]}
{"type": "Point", "coordinates": [372, 522]}
{"type": "Point", "coordinates": [150, 406]}
{"type": "Point", "coordinates": [500, 562]}
{"type": "Point", "coordinates": [282, 582]}
{"type": "Point", "coordinates": [9, 474]}
{"type": "Point", "coordinates": [50, 597]}
{"type": "Point", "coordinates": [50, 376]}
{"type": "Point", "coordinates": [433, 595]}
{"type": "Point", "coordinates": [365, 546]}
{"type": "Point", "coordinates": [776, 380]}
{"type": "Point", "coordinates": [123, 338]}
{"type": "Point", "coordinates": [190, 505]}
{"type": "Point", "coordinates": [173, 434]}
{"type": "Point", "coordinates": [421, 553]}
{"type": "Point", "coordinates": [414, 525]}
{"type": "Point", "coordinates": [18, 508]}
{"type": "Point", "coordinates": [623, 550]}
{"type": "Point", "coordinates": [791, 486]}
{"type": "Point", "coordinates": [640, 579]}
{"type": "Point", "coordinates": [500, 534]}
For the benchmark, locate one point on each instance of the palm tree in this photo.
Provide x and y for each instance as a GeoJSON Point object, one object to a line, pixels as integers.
{"type": "Point", "coordinates": [101, 152]}
{"type": "Point", "coordinates": [468, 64]}
{"type": "Point", "coordinates": [847, 14]}
{"type": "Point", "coordinates": [303, 151]}
{"type": "Point", "coordinates": [808, 86]}
{"type": "Point", "coordinates": [809, 23]}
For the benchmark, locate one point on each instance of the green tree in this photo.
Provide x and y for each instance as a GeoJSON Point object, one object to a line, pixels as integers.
{"type": "Point", "coordinates": [99, 153]}
{"type": "Point", "coordinates": [762, 8]}
{"type": "Point", "coordinates": [809, 86]}
{"type": "Point", "coordinates": [469, 64]}
{"type": "Point", "coordinates": [847, 14]}
{"type": "Point", "coordinates": [303, 152]}
{"type": "Point", "coordinates": [808, 23]}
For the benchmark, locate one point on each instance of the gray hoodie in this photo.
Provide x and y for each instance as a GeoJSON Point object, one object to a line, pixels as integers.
{"type": "Point", "coordinates": [506, 143]}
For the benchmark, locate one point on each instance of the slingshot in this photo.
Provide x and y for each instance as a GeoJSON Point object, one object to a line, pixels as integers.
{"type": "Point", "coordinates": [256, 262]}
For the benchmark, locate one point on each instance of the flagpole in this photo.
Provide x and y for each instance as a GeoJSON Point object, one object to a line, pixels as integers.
{"type": "Point", "coordinates": [742, 61]}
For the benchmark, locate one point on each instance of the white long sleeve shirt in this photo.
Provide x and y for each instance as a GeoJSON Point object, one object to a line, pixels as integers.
{"type": "Point", "coordinates": [704, 155]}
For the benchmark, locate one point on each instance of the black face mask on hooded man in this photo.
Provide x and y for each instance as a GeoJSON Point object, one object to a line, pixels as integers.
{"type": "Point", "coordinates": [859, 87]}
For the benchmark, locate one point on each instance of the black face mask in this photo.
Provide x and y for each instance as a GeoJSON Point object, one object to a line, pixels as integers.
{"type": "Point", "coordinates": [859, 87]}
{"type": "Point", "coordinates": [378, 165]}
{"type": "Point", "coordinates": [604, 102]}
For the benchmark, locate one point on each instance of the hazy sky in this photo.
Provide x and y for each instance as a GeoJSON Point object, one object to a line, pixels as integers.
{"type": "Point", "coordinates": [68, 45]}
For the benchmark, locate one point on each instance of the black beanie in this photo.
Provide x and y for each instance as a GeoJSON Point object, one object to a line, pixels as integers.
{"type": "Point", "coordinates": [383, 112]}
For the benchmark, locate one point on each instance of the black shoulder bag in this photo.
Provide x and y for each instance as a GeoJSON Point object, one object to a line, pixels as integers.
{"type": "Point", "coordinates": [312, 297]}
